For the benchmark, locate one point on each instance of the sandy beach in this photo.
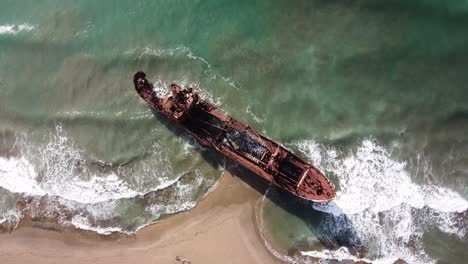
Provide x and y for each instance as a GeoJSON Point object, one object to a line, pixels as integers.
{"type": "Point", "coordinates": [222, 228]}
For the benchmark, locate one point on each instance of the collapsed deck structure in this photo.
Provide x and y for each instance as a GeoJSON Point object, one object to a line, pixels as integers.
{"type": "Point", "coordinates": [238, 141]}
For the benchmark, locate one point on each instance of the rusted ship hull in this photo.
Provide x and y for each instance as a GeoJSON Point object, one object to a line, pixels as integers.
{"type": "Point", "coordinates": [238, 141]}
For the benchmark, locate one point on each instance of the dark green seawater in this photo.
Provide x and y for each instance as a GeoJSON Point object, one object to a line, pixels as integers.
{"type": "Point", "coordinates": [373, 92]}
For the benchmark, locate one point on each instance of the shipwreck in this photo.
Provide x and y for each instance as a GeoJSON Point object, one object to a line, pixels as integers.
{"type": "Point", "coordinates": [237, 141]}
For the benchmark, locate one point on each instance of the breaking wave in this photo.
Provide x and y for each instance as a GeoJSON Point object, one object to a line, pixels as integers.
{"type": "Point", "coordinates": [10, 29]}
{"type": "Point", "coordinates": [371, 180]}
{"type": "Point", "coordinates": [386, 210]}
{"type": "Point", "coordinates": [57, 178]}
{"type": "Point", "coordinates": [62, 173]}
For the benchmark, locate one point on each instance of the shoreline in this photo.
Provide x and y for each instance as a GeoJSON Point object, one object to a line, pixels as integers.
{"type": "Point", "coordinates": [222, 228]}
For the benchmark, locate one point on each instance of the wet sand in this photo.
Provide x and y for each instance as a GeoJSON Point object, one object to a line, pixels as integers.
{"type": "Point", "coordinates": [222, 228]}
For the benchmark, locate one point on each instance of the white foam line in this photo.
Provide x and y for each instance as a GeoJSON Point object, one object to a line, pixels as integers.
{"type": "Point", "coordinates": [83, 114]}
{"type": "Point", "coordinates": [10, 29]}
{"type": "Point", "coordinates": [180, 202]}
{"type": "Point", "coordinates": [179, 50]}
{"type": "Point", "coordinates": [19, 176]}
{"type": "Point", "coordinates": [82, 223]}
{"type": "Point", "coordinates": [260, 225]}
{"type": "Point", "coordinates": [342, 254]}
{"type": "Point", "coordinates": [253, 115]}
{"type": "Point", "coordinates": [214, 186]}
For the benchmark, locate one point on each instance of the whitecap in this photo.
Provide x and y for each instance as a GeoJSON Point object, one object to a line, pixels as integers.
{"type": "Point", "coordinates": [18, 175]}
{"type": "Point", "coordinates": [64, 173]}
{"type": "Point", "coordinates": [385, 207]}
{"type": "Point", "coordinates": [10, 29]}
{"type": "Point", "coordinates": [370, 179]}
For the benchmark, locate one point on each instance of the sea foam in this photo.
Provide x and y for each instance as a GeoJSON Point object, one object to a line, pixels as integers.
{"type": "Point", "coordinates": [386, 209]}
{"type": "Point", "coordinates": [59, 170]}
{"type": "Point", "coordinates": [15, 29]}
{"type": "Point", "coordinates": [370, 179]}
{"type": "Point", "coordinates": [60, 161]}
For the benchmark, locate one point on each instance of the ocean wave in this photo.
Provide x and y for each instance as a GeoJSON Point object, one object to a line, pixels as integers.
{"type": "Point", "coordinates": [183, 199]}
{"type": "Point", "coordinates": [62, 172]}
{"type": "Point", "coordinates": [57, 183]}
{"type": "Point", "coordinates": [183, 51]}
{"type": "Point", "coordinates": [343, 254]}
{"type": "Point", "coordinates": [161, 85]}
{"type": "Point", "coordinates": [139, 53]}
{"type": "Point", "coordinates": [10, 29]}
{"type": "Point", "coordinates": [254, 116]}
{"type": "Point", "coordinates": [370, 179]}
{"type": "Point", "coordinates": [19, 176]}
{"type": "Point", "coordinates": [91, 202]}
{"type": "Point", "coordinates": [81, 222]}
{"type": "Point", "coordinates": [388, 212]}
{"type": "Point", "coordinates": [158, 205]}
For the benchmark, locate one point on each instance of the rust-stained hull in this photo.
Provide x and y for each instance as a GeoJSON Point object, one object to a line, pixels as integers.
{"type": "Point", "coordinates": [238, 141]}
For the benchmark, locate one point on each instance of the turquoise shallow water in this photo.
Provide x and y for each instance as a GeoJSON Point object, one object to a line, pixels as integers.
{"type": "Point", "coordinates": [373, 92]}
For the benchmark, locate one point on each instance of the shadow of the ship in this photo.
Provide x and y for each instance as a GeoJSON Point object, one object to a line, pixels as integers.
{"type": "Point", "coordinates": [331, 226]}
